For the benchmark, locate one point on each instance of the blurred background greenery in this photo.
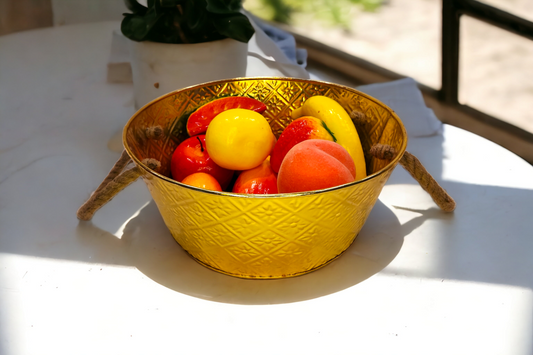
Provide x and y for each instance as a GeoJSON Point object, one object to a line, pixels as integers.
{"type": "Point", "coordinates": [328, 12]}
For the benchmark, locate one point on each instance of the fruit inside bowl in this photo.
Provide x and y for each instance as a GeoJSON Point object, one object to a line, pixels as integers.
{"type": "Point", "coordinates": [309, 155]}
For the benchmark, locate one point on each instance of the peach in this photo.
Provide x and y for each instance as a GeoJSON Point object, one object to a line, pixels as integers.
{"type": "Point", "coordinates": [203, 181]}
{"type": "Point", "coordinates": [315, 164]}
{"type": "Point", "coordinates": [259, 180]}
{"type": "Point", "coordinates": [299, 130]}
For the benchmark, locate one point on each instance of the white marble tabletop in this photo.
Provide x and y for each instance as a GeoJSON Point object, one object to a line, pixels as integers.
{"type": "Point", "coordinates": [415, 281]}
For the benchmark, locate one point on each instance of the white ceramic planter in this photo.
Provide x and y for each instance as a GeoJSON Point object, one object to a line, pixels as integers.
{"type": "Point", "coordinates": [159, 68]}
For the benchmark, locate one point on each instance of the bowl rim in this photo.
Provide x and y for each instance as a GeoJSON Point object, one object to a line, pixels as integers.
{"type": "Point", "coordinates": [389, 166]}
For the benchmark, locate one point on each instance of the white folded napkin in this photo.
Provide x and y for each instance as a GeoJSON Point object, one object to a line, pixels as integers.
{"type": "Point", "coordinates": [286, 42]}
{"type": "Point", "coordinates": [265, 58]}
{"type": "Point", "coordinates": [405, 98]}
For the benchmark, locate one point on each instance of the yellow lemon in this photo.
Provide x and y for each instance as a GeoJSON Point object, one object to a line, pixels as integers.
{"type": "Point", "coordinates": [239, 139]}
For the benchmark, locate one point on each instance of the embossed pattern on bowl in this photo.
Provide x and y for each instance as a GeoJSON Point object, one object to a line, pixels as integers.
{"type": "Point", "coordinates": [263, 236]}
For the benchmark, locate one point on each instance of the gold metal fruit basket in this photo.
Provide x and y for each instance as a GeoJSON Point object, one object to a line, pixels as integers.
{"type": "Point", "coordinates": [256, 236]}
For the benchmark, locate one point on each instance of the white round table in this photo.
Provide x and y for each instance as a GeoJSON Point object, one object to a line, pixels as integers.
{"type": "Point", "coordinates": [415, 281]}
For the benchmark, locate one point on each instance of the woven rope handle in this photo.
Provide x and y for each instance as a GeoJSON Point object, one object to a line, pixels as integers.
{"type": "Point", "coordinates": [419, 173]}
{"type": "Point", "coordinates": [114, 182]}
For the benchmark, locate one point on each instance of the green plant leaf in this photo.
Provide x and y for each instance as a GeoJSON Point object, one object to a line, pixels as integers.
{"type": "Point", "coordinates": [236, 26]}
{"type": "Point", "coordinates": [164, 31]}
{"type": "Point", "coordinates": [224, 6]}
{"type": "Point", "coordinates": [169, 3]}
{"type": "Point", "coordinates": [187, 21]}
{"type": "Point", "coordinates": [137, 27]}
{"type": "Point", "coordinates": [156, 6]}
{"type": "Point", "coordinates": [135, 7]}
{"type": "Point", "coordinates": [196, 16]}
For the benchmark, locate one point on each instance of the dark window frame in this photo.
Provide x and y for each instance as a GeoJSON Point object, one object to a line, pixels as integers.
{"type": "Point", "coordinates": [452, 10]}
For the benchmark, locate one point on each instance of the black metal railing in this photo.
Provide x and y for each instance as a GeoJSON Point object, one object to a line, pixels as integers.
{"type": "Point", "coordinates": [452, 10]}
{"type": "Point", "coordinates": [451, 13]}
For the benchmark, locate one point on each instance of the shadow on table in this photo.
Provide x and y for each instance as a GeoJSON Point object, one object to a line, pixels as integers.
{"type": "Point", "coordinates": [475, 242]}
{"type": "Point", "coordinates": [147, 244]}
